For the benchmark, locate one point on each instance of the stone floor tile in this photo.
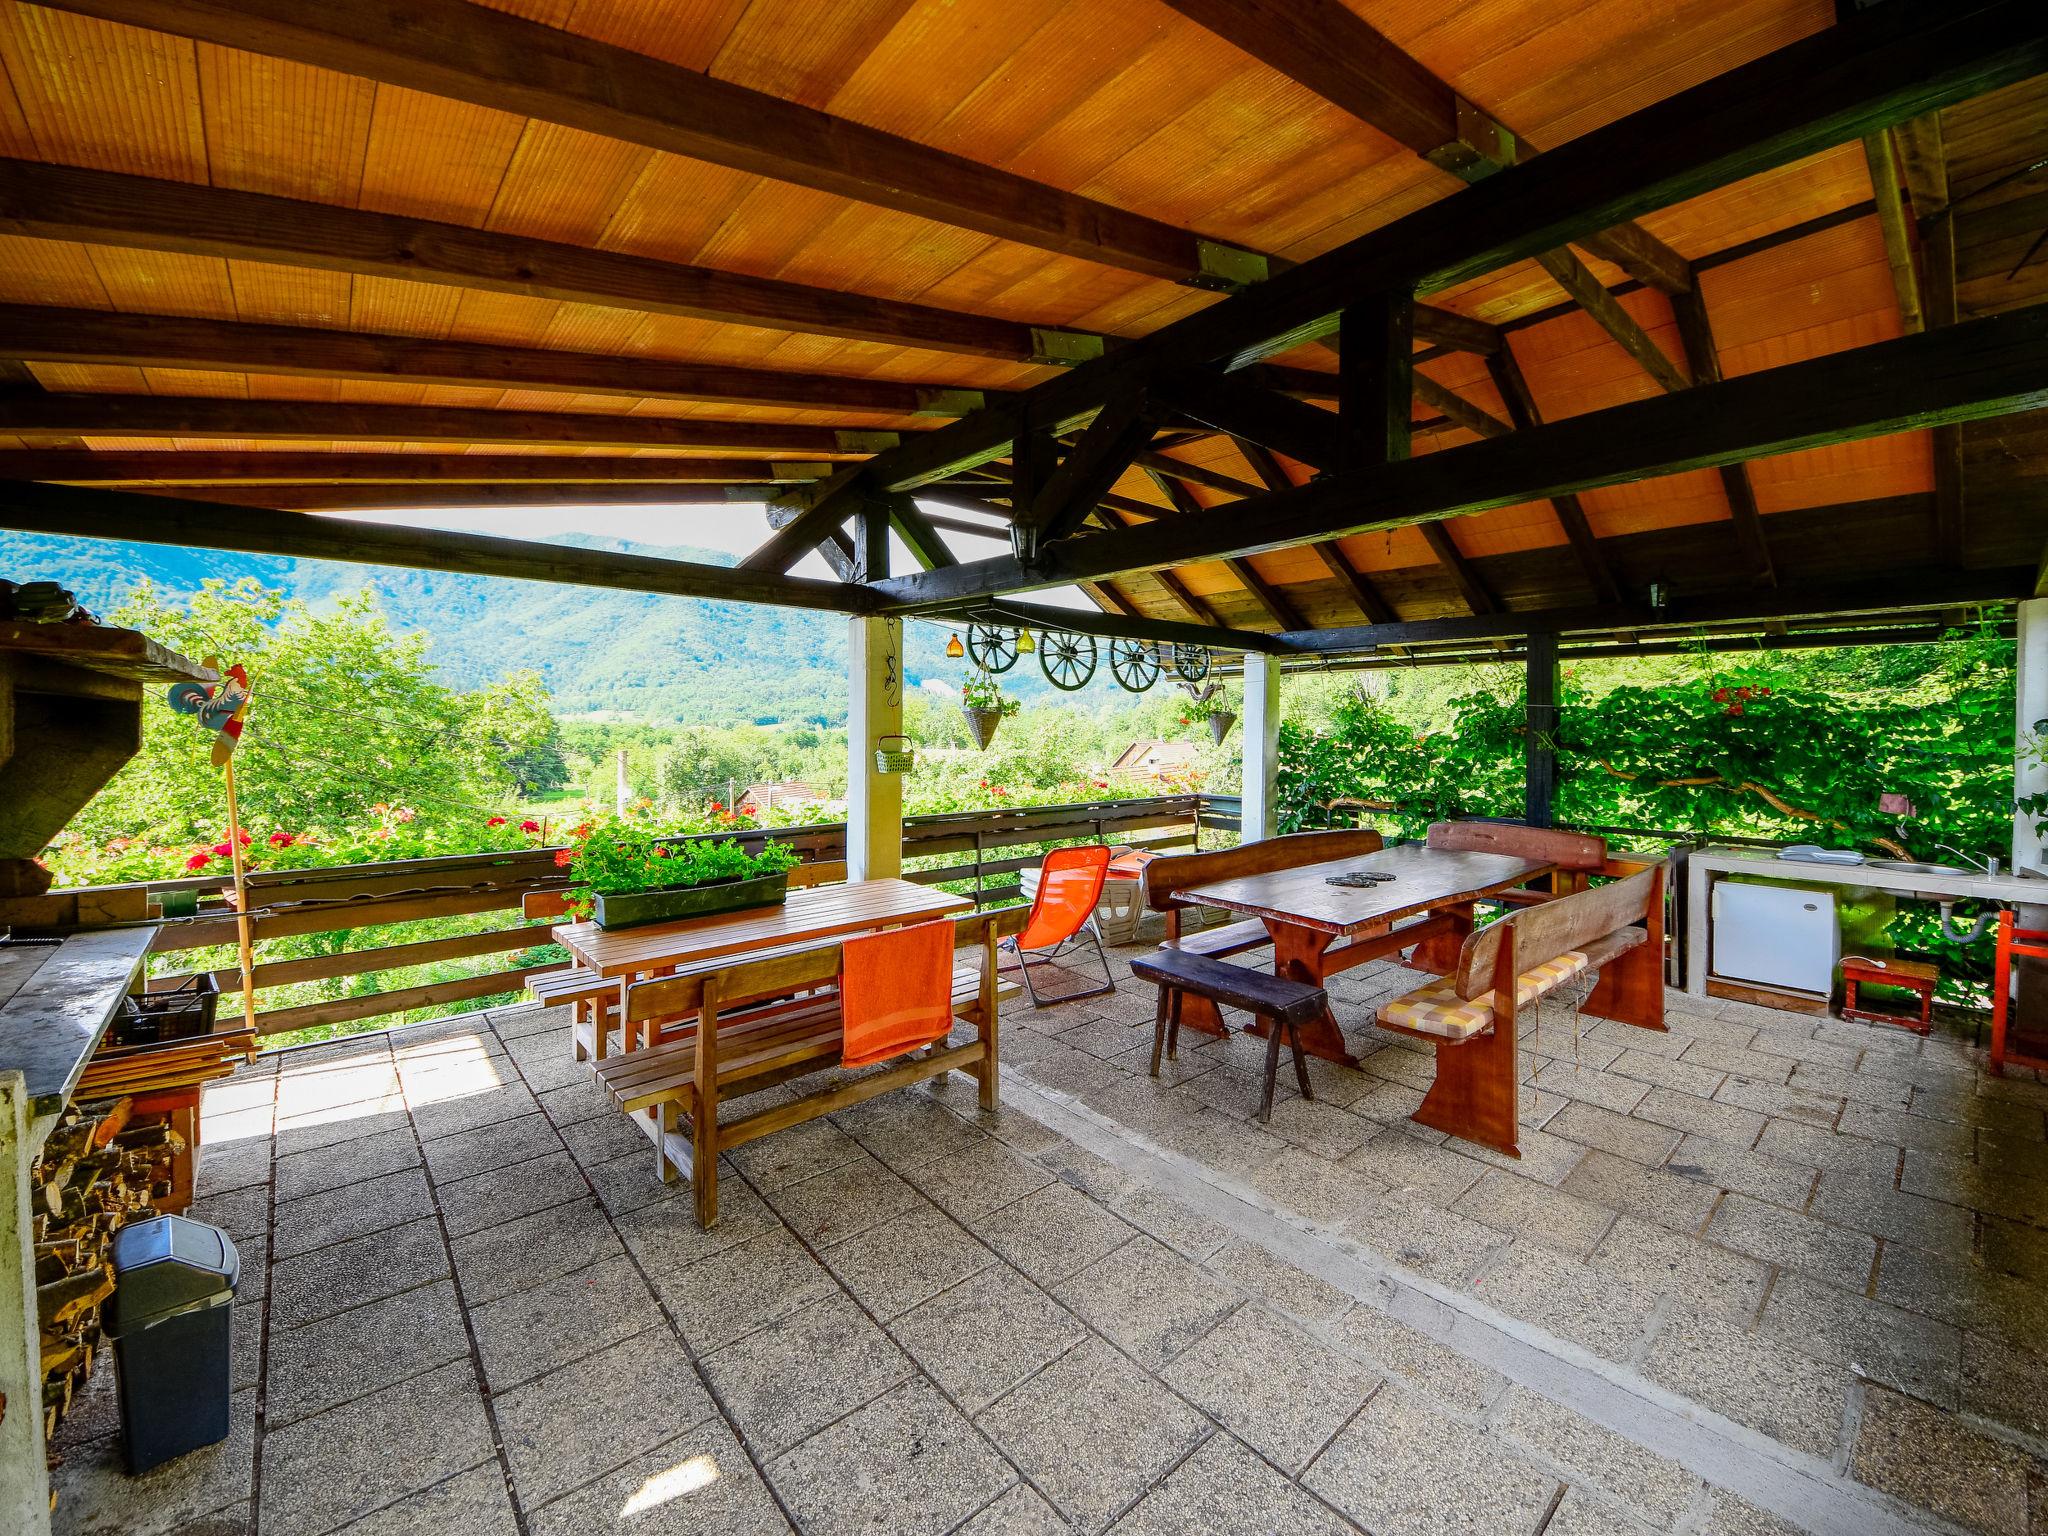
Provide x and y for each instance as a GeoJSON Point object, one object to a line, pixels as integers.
{"type": "Point", "coordinates": [1580, 1513]}
{"type": "Point", "coordinates": [742, 1288]}
{"type": "Point", "coordinates": [1930, 1459]}
{"type": "Point", "coordinates": [1967, 1107]}
{"type": "Point", "coordinates": [907, 1463]}
{"type": "Point", "coordinates": [1092, 1396]}
{"type": "Point", "coordinates": [1640, 1141]}
{"type": "Point", "coordinates": [1321, 1128]}
{"type": "Point", "coordinates": [546, 1061]}
{"type": "Point", "coordinates": [1279, 1390]}
{"type": "Point", "coordinates": [441, 1108]}
{"type": "Point", "coordinates": [1652, 1194]}
{"type": "Point", "coordinates": [97, 1497]}
{"type": "Point", "coordinates": [1284, 1287]}
{"type": "Point", "coordinates": [1700, 1117]}
{"type": "Point", "coordinates": [351, 1122]}
{"type": "Point", "coordinates": [515, 1255]}
{"type": "Point", "coordinates": [1052, 1233]}
{"type": "Point", "coordinates": [304, 1093]}
{"type": "Point", "coordinates": [1403, 1469]}
{"type": "Point", "coordinates": [1742, 1061]}
{"type": "Point", "coordinates": [1065, 1070]}
{"type": "Point", "coordinates": [349, 1162]}
{"type": "Point", "coordinates": [1426, 1238]}
{"type": "Point", "coordinates": [1436, 1173]}
{"type": "Point", "coordinates": [523, 1019]}
{"type": "Point", "coordinates": [1664, 1070]}
{"type": "Point", "coordinates": [243, 1212]}
{"type": "Point", "coordinates": [698, 1484]}
{"type": "Point", "coordinates": [1778, 1236]}
{"type": "Point", "coordinates": [789, 1380]}
{"type": "Point", "coordinates": [1962, 1182]}
{"type": "Point", "coordinates": [469, 1205]}
{"type": "Point", "coordinates": [892, 1267]}
{"type": "Point", "coordinates": [472, 1503]}
{"type": "Point", "coordinates": [973, 1181]}
{"type": "Point", "coordinates": [1874, 1206]}
{"type": "Point", "coordinates": [1148, 1300]}
{"type": "Point", "coordinates": [1708, 1161]}
{"type": "Point", "coordinates": [1546, 1157]}
{"type": "Point", "coordinates": [1819, 1147]}
{"type": "Point", "coordinates": [532, 1331]}
{"type": "Point", "coordinates": [1683, 1268]}
{"type": "Point", "coordinates": [1591, 1086]}
{"type": "Point", "coordinates": [842, 1201]}
{"type": "Point", "coordinates": [1894, 1127]}
{"type": "Point", "coordinates": [1510, 1203]}
{"type": "Point", "coordinates": [333, 1279]}
{"type": "Point", "coordinates": [336, 1215]}
{"type": "Point", "coordinates": [1727, 1515]}
{"type": "Point", "coordinates": [1415, 1361]}
{"type": "Point", "coordinates": [1965, 1293]}
{"type": "Point", "coordinates": [582, 1100]}
{"type": "Point", "coordinates": [606, 1137]}
{"type": "Point", "coordinates": [229, 1165]}
{"type": "Point", "coordinates": [2005, 1384]}
{"type": "Point", "coordinates": [627, 1184]}
{"type": "Point", "coordinates": [1901, 1349]}
{"type": "Point", "coordinates": [988, 1333]}
{"type": "Point", "coordinates": [1225, 1490]}
{"type": "Point", "coordinates": [1648, 1483]}
{"type": "Point", "coordinates": [1773, 1097]}
{"type": "Point", "coordinates": [1593, 1308]}
{"type": "Point", "coordinates": [326, 1470]}
{"type": "Point", "coordinates": [597, 1411]}
{"type": "Point", "coordinates": [1319, 1191]}
{"type": "Point", "coordinates": [1757, 1382]}
{"type": "Point", "coordinates": [1163, 1217]}
{"type": "Point", "coordinates": [1020, 1512]}
{"type": "Point", "coordinates": [667, 1241]}
{"type": "Point", "coordinates": [360, 1351]}
{"type": "Point", "coordinates": [491, 1147]}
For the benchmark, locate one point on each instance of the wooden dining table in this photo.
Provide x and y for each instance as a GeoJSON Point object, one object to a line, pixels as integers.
{"type": "Point", "coordinates": [821, 913]}
{"type": "Point", "coordinates": [1428, 904]}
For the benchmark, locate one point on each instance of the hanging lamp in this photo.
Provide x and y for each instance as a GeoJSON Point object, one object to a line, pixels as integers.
{"type": "Point", "coordinates": [954, 649]}
{"type": "Point", "coordinates": [1025, 644]}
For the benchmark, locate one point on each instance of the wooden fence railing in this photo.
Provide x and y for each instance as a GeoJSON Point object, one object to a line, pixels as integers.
{"type": "Point", "coordinates": [982, 851]}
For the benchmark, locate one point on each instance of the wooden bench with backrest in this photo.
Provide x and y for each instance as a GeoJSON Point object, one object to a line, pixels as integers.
{"type": "Point", "coordinates": [1167, 877]}
{"type": "Point", "coordinates": [1286, 1004]}
{"type": "Point", "coordinates": [760, 1021]}
{"type": "Point", "coordinates": [1471, 1014]}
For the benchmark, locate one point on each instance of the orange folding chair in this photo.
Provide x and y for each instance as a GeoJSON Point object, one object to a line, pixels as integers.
{"type": "Point", "coordinates": [1069, 886]}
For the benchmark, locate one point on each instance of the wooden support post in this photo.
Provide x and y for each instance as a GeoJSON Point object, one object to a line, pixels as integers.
{"type": "Point", "coordinates": [874, 801]}
{"type": "Point", "coordinates": [24, 1471]}
{"type": "Point", "coordinates": [243, 944]}
{"type": "Point", "coordinates": [1260, 735]}
{"type": "Point", "coordinates": [1375, 380]}
{"type": "Point", "coordinates": [1540, 745]}
{"type": "Point", "coordinates": [2030, 701]}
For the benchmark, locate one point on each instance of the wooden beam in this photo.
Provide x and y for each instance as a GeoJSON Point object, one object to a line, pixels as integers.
{"type": "Point", "coordinates": [33, 412]}
{"type": "Point", "coordinates": [1453, 560]}
{"type": "Point", "coordinates": [1892, 219]}
{"type": "Point", "coordinates": [196, 467]}
{"type": "Point", "coordinates": [1270, 598]}
{"type": "Point", "coordinates": [491, 59]}
{"type": "Point", "coordinates": [53, 202]}
{"type": "Point", "coordinates": [1197, 610]}
{"type": "Point", "coordinates": [51, 335]}
{"type": "Point", "coordinates": [1455, 332]}
{"type": "Point", "coordinates": [361, 496]}
{"type": "Point", "coordinates": [1304, 432]}
{"type": "Point", "coordinates": [1194, 474]}
{"type": "Point", "coordinates": [1364, 596]}
{"type": "Point", "coordinates": [1376, 380]}
{"type": "Point", "coordinates": [1923, 162]}
{"type": "Point", "coordinates": [1591, 295]}
{"type": "Point", "coordinates": [803, 518]}
{"type": "Point", "coordinates": [1938, 243]}
{"type": "Point", "coordinates": [102, 514]}
{"type": "Point", "coordinates": [1993, 366]}
{"type": "Point", "coordinates": [920, 534]}
{"type": "Point", "coordinates": [1460, 410]}
{"type": "Point", "coordinates": [1326, 46]}
{"type": "Point", "coordinates": [1095, 463]}
{"type": "Point", "coordinates": [1703, 356]}
{"type": "Point", "coordinates": [1520, 401]}
{"type": "Point", "coordinates": [1041, 616]}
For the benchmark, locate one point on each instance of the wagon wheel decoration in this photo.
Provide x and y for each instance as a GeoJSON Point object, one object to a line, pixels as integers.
{"type": "Point", "coordinates": [1134, 664]}
{"type": "Point", "coordinates": [1068, 660]}
{"type": "Point", "coordinates": [994, 649]}
{"type": "Point", "coordinates": [1190, 662]}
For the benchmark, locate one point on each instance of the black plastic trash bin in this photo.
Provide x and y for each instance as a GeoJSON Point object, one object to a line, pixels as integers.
{"type": "Point", "coordinates": [171, 1320]}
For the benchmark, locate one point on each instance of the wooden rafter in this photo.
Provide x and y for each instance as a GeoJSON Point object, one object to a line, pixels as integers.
{"type": "Point", "coordinates": [1892, 218]}
{"type": "Point", "coordinates": [1516, 395]}
{"type": "Point", "coordinates": [1703, 355]}
{"type": "Point", "coordinates": [1071, 492]}
{"type": "Point", "coordinates": [1113, 517]}
{"type": "Point", "coordinates": [1270, 598]}
{"type": "Point", "coordinates": [1453, 560]}
{"type": "Point", "coordinates": [1591, 295]}
{"type": "Point", "coordinates": [1365, 597]}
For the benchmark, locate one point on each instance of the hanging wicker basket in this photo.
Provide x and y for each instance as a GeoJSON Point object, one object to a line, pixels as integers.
{"type": "Point", "coordinates": [981, 724]}
{"type": "Point", "coordinates": [900, 759]}
{"type": "Point", "coordinates": [1220, 722]}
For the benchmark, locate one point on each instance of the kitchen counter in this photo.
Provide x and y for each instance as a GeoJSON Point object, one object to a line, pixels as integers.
{"type": "Point", "coordinates": [55, 1005]}
{"type": "Point", "coordinates": [1708, 864]}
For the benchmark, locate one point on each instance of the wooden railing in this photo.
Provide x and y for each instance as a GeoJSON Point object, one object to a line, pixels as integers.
{"type": "Point", "coordinates": [978, 852]}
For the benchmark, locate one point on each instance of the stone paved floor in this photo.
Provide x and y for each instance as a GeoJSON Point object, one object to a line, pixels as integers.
{"type": "Point", "coordinates": [469, 1308]}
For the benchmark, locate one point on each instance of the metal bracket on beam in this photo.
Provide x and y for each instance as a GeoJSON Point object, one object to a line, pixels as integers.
{"type": "Point", "coordinates": [1226, 268]}
{"type": "Point", "coordinates": [950, 402]}
{"type": "Point", "coordinates": [852, 440]}
{"type": "Point", "coordinates": [1063, 349]}
{"type": "Point", "coordinates": [791, 471]}
{"type": "Point", "coordinates": [1481, 148]}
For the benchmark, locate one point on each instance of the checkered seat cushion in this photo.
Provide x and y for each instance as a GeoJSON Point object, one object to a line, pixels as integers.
{"type": "Point", "coordinates": [1436, 1009]}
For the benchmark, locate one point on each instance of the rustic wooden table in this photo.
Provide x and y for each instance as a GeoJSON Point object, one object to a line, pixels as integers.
{"type": "Point", "coordinates": [1306, 915]}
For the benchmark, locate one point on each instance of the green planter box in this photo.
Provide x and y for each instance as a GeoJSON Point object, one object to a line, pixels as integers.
{"type": "Point", "coordinates": [629, 909]}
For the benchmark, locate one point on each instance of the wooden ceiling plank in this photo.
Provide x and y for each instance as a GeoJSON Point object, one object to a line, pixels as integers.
{"type": "Point", "coordinates": [1458, 408]}
{"type": "Point", "coordinates": [1703, 356]}
{"type": "Point", "coordinates": [1275, 603]}
{"type": "Point", "coordinates": [1176, 589]}
{"type": "Point", "coordinates": [1892, 219]}
{"type": "Point", "coordinates": [1520, 400]}
{"type": "Point", "coordinates": [1364, 596]}
{"type": "Point", "coordinates": [1591, 295]}
{"type": "Point", "coordinates": [1453, 560]}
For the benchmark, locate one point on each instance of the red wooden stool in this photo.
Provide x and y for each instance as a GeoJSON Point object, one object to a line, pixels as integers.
{"type": "Point", "coordinates": [1915, 976]}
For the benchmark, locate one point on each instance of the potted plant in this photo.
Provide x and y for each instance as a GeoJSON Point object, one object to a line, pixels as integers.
{"type": "Point", "coordinates": [635, 877]}
{"type": "Point", "coordinates": [986, 706]}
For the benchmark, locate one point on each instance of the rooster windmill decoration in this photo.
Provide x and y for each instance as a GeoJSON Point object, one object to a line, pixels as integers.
{"type": "Point", "coordinates": [224, 710]}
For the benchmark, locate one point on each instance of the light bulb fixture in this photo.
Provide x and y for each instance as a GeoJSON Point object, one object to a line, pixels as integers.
{"type": "Point", "coordinates": [954, 649]}
{"type": "Point", "coordinates": [1025, 644]}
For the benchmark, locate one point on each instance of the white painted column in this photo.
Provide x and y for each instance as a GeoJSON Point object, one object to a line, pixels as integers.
{"type": "Point", "coordinates": [874, 801]}
{"type": "Point", "coordinates": [2029, 771]}
{"type": "Point", "coordinates": [24, 1478]}
{"type": "Point", "coordinates": [1261, 739]}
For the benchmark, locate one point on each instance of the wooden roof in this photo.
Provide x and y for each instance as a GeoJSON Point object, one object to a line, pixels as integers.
{"type": "Point", "coordinates": [495, 253]}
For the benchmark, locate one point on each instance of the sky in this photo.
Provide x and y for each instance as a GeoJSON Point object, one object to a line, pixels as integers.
{"type": "Point", "coordinates": [735, 529]}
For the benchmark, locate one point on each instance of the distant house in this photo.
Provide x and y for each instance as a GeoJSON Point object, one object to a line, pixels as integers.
{"type": "Point", "coordinates": [1150, 762]}
{"type": "Point", "coordinates": [759, 799]}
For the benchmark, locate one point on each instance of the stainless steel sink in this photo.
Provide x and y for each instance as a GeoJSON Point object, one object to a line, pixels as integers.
{"type": "Point", "coordinates": [1901, 866]}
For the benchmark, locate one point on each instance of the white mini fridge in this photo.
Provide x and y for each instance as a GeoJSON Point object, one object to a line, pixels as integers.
{"type": "Point", "coordinates": [1776, 935]}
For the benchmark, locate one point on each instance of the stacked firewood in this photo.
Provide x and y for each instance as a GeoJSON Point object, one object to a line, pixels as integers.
{"type": "Point", "coordinates": [101, 1168]}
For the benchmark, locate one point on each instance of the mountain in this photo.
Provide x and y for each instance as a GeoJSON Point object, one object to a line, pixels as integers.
{"type": "Point", "coordinates": [659, 658]}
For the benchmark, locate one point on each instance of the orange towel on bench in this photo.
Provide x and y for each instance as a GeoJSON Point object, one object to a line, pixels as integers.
{"type": "Point", "coordinates": [895, 992]}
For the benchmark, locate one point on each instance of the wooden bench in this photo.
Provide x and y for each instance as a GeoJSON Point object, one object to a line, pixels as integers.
{"type": "Point", "coordinates": [1286, 1003]}
{"type": "Point", "coordinates": [738, 1044]}
{"type": "Point", "coordinates": [1471, 1014]}
{"type": "Point", "coordinates": [1577, 855]}
{"type": "Point", "coordinates": [1168, 877]}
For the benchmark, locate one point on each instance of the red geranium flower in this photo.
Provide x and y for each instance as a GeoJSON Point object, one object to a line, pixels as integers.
{"type": "Point", "coordinates": [529, 826]}
{"type": "Point", "coordinates": [244, 838]}
{"type": "Point", "coordinates": [495, 821]}
{"type": "Point", "coordinates": [581, 829]}
{"type": "Point", "coordinates": [223, 849]}
{"type": "Point", "coordinates": [280, 839]}
{"type": "Point", "coordinates": [564, 858]}
{"type": "Point", "coordinates": [198, 861]}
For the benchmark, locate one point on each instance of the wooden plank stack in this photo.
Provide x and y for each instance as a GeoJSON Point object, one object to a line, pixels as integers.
{"type": "Point", "coordinates": [102, 1167]}
{"type": "Point", "coordinates": [164, 1064]}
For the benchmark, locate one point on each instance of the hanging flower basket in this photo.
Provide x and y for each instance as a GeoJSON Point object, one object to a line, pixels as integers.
{"type": "Point", "coordinates": [981, 724]}
{"type": "Point", "coordinates": [897, 759]}
{"type": "Point", "coordinates": [1220, 722]}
